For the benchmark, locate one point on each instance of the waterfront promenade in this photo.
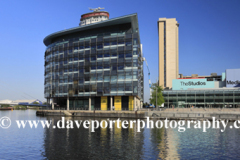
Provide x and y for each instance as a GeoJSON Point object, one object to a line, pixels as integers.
{"type": "Point", "coordinates": [95, 113]}
{"type": "Point", "coordinates": [196, 113]}
{"type": "Point", "coordinates": [177, 113]}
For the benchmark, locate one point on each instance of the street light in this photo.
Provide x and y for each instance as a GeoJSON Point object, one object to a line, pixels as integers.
{"type": "Point", "coordinates": [156, 94]}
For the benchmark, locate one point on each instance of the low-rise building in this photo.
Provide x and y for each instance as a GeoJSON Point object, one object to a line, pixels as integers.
{"type": "Point", "coordinates": [19, 102]}
{"type": "Point", "coordinates": [205, 91]}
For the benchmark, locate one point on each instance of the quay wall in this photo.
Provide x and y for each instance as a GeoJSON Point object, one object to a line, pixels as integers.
{"type": "Point", "coordinates": [191, 114]}
{"type": "Point", "coordinates": [105, 114]}
{"type": "Point", "coordinates": [230, 114]}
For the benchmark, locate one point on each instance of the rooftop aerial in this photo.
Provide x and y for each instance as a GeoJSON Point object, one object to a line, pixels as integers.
{"type": "Point", "coordinates": [96, 9]}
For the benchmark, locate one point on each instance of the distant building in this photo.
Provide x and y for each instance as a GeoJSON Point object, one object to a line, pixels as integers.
{"type": "Point", "coordinates": [97, 65]}
{"type": "Point", "coordinates": [28, 101]}
{"type": "Point", "coordinates": [168, 51]}
{"type": "Point", "coordinates": [8, 102]}
{"type": "Point", "coordinates": [19, 102]}
{"type": "Point", "coordinates": [211, 77]}
{"type": "Point", "coordinates": [205, 91]}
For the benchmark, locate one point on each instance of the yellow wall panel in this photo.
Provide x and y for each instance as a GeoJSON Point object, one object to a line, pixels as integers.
{"type": "Point", "coordinates": [130, 104]}
{"type": "Point", "coordinates": [118, 103]}
{"type": "Point", "coordinates": [103, 103]}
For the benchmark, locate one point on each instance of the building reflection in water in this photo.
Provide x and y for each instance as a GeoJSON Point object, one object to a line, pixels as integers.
{"type": "Point", "coordinates": [110, 143]}
{"type": "Point", "coordinates": [107, 143]}
{"type": "Point", "coordinates": [164, 142]}
{"type": "Point", "coordinates": [172, 143]}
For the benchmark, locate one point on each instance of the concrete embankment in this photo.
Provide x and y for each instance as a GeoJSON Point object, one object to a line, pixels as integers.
{"type": "Point", "coordinates": [6, 108]}
{"type": "Point", "coordinates": [230, 114]}
{"type": "Point", "coordinates": [106, 114]}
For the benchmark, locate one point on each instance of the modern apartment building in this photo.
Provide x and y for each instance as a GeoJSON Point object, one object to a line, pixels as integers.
{"type": "Point", "coordinates": [96, 65]}
{"type": "Point", "coordinates": [168, 51]}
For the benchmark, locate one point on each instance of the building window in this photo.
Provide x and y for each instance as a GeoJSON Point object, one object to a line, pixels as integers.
{"type": "Point", "coordinates": [106, 55]}
{"type": "Point", "coordinates": [100, 46]}
{"type": "Point", "coordinates": [99, 67]}
{"type": "Point", "coordinates": [120, 67]}
{"type": "Point", "coordinates": [99, 56]}
{"type": "Point", "coordinates": [129, 55]}
{"type": "Point", "coordinates": [121, 55]}
{"type": "Point", "coordinates": [114, 68]}
{"type": "Point", "coordinates": [106, 43]}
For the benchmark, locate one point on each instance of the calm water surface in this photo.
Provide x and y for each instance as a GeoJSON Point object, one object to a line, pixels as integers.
{"type": "Point", "coordinates": [112, 143]}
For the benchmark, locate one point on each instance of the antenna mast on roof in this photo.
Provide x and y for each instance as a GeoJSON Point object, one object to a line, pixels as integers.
{"type": "Point", "coordinates": [96, 9]}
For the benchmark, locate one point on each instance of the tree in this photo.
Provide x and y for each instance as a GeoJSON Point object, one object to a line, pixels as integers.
{"type": "Point", "coordinates": [35, 103]}
{"type": "Point", "coordinates": [156, 90]}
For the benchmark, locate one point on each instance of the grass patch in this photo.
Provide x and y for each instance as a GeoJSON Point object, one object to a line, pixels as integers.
{"type": "Point", "coordinates": [20, 107]}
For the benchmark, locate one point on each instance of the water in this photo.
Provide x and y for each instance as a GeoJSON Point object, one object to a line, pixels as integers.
{"type": "Point", "coordinates": [113, 143]}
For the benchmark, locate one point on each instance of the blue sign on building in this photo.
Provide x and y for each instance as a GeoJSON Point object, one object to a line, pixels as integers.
{"type": "Point", "coordinates": [232, 78]}
{"type": "Point", "coordinates": [184, 84]}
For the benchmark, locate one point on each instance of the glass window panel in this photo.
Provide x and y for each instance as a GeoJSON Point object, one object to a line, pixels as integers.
{"type": "Point", "coordinates": [93, 47]}
{"type": "Point", "coordinates": [113, 78]}
{"type": "Point", "coordinates": [120, 41]}
{"type": "Point", "coordinates": [100, 78]}
{"type": "Point", "coordinates": [81, 81]}
{"type": "Point", "coordinates": [81, 70]}
{"type": "Point", "coordinates": [114, 43]}
{"type": "Point", "coordinates": [106, 78]}
{"type": "Point", "coordinates": [81, 47]}
{"type": "Point", "coordinates": [121, 76]}
{"type": "Point", "coordinates": [93, 78]}
{"type": "Point", "coordinates": [121, 55]}
{"type": "Point", "coordinates": [106, 55]}
{"type": "Point", "coordinates": [114, 68]}
{"type": "Point", "coordinates": [106, 66]}
{"type": "Point", "coordinates": [129, 55]}
{"type": "Point", "coordinates": [99, 67]}
{"type": "Point", "coordinates": [135, 41]}
{"type": "Point", "coordinates": [129, 43]}
{"type": "Point", "coordinates": [106, 43]}
{"type": "Point", "coordinates": [120, 67]}
{"type": "Point", "coordinates": [99, 46]}
{"type": "Point", "coordinates": [99, 56]}
{"type": "Point", "coordinates": [93, 58]}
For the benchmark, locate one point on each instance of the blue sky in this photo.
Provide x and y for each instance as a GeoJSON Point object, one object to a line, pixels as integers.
{"type": "Point", "coordinates": [209, 36]}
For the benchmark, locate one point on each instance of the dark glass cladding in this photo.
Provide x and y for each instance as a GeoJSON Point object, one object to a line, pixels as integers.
{"type": "Point", "coordinates": [98, 62]}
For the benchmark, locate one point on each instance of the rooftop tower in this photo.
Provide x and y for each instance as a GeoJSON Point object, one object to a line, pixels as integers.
{"type": "Point", "coordinates": [93, 17]}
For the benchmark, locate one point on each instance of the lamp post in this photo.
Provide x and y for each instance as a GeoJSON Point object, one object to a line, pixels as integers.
{"type": "Point", "coordinates": [156, 95]}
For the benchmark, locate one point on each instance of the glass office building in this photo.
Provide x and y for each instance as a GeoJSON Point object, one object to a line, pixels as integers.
{"type": "Point", "coordinates": [95, 66]}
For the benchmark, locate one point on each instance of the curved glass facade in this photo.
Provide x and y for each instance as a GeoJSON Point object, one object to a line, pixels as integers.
{"type": "Point", "coordinates": [105, 61]}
